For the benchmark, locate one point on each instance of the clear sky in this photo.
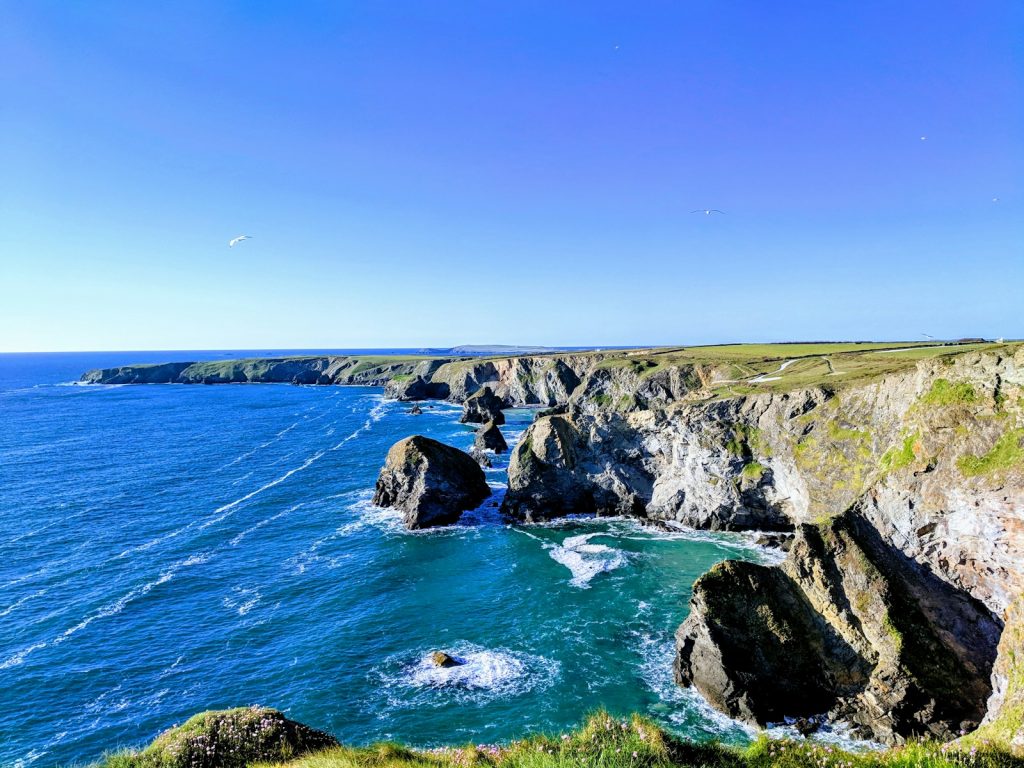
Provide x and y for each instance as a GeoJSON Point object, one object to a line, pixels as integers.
{"type": "Point", "coordinates": [437, 173]}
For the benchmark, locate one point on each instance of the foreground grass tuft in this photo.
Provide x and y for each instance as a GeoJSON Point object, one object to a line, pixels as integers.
{"type": "Point", "coordinates": [603, 742]}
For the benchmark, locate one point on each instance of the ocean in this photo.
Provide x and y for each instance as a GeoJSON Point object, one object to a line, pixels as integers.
{"type": "Point", "coordinates": [169, 549]}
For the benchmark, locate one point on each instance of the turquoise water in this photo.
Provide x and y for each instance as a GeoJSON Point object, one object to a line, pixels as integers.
{"type": "Point", "coordinates": [169, 549]}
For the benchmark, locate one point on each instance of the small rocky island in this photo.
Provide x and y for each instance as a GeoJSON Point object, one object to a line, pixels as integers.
{"type": "Point", "coordinates": [432, 483]}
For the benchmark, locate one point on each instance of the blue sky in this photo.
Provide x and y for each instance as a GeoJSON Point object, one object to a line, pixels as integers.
{"type": "Point", "coordinates": [436, 173]}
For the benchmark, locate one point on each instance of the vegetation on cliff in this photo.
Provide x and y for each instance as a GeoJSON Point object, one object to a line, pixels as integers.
{"type": "Point", "coordinates": [602, 742]}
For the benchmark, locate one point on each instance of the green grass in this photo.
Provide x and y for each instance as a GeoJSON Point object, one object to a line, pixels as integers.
{"type": "Point", "coordinates": [1007, 453]}
{"type": "Point", "coordinates": [605, 741]}
{"type": "Point", "coordinates": [945, 393]}
{"type": "Point", "coordinates": [753, 471]}
{"type": "Point", "coordinates": [902, 456]}
{"type": "Point", "coordinates": [837, 432]}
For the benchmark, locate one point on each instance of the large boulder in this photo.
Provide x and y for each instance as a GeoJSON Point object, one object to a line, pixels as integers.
{"type": "Point", "coordinates": [483, 406]}
{"type": "Point", "coordinates": [231, 738]}
{"type": "Point", "coordinates": [489, 438]}
{"type": "Point", "coordinates": [432, 483]}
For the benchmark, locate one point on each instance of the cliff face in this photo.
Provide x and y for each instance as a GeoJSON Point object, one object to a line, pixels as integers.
{"type": "Point", "coordinates": [853, 627]}
{"type": "Point", "coordinates": [330, 369]}
{"type": "Point", "coordinates": [907, 495]}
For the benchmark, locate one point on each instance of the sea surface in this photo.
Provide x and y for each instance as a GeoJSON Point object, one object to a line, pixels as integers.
{"type": "Point", "coordinates": [166, 549]}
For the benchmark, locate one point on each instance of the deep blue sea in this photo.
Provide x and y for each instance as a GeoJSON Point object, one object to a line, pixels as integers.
{"type": "Point", "coordinates": [169, 549]}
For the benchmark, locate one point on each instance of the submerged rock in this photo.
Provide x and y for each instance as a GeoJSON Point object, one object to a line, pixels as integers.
{"type": "Point", "coordinates": [232, 738]}
{"type": "Point", "coordinates": [483, 406]}
{"type": "Point", "coordinates": [442, 659]}
{"type": "Point", "coordinates": [415, 411]}
{"type": "Point", "coordinates": [432, 483]}
{"type": "Point", "coordinates": [489, 438]}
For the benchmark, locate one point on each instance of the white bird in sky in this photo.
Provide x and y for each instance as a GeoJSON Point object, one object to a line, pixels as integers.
{"type": "Point", "coordinates": [236, 240]}
{"type": "Point", "coordinates": [707, 211]}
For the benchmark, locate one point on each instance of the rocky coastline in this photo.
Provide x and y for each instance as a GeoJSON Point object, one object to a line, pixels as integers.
{"type": "Point", "coordinates": [901, 476]}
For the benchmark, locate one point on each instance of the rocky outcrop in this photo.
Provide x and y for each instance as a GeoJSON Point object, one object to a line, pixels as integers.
{"type": "Point", "coordinates": [849, 626]}
{"type": "Point", "coordinates": [489, 438]}
{"type": "Point", "coordinates": [231, 738]}
{"type": "Point", "coordinates": [432, 483]}
{"type": "Point", "coordinates": [1004, 720]}
{"type": "Point", "coordinates": [163, 373]}
{"type": "Point", "coordinates": [330, 369]}
{"type": "Point", "coordinates": [481, 407]}
{"type": "Point", "coordinates": [754, 647]}
{"type": "Point", "coordinates": [552, 474]}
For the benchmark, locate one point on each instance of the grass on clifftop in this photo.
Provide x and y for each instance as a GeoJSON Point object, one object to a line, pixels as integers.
{"type": "Point", "coordinates": [603, 742]}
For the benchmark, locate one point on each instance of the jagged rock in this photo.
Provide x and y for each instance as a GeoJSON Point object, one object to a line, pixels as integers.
{"type": "Point", "coordinates": [481, 457]}
{"type": "Point", "coordinates": [557, 410]}
{"type": "Point", "coordinates": [442, 659]}
{"type": "Point", "coordinates": [232, 738]}
{"type": "Point", "coordinates": [1004, 720]}
{"type": "Point", "coordinates": [482, 406]}
{"type": "Point", "coordinates": [415, 411]}
{"type": "Point", "coordinates": [806, 726]}
{"type": "Point", "coordinates": [489, 438]}
{"type": "Point", "coordinates": [751, 646]}
{"type": "Point", "coordinates": [416, 388]}
{"type": "Point", "coordinates": [547, 477]}
{"type": "Point", "coordinates": [848, 625]}
{"type": "Point", "coordinates": [774, 540]}
{"type": "Point", "coordinates": [432, 483]}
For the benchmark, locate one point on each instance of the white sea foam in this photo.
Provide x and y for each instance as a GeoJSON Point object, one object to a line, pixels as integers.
{"type": "Point", "coordinates": [18, 603]}
{"type": "Point", "coordinates": [586, 560]}
{"type": "Point", "coordinates": [484, 674]}
{"type": "Point", "coordinates": [242, 599]}
{"type": "Point", "coordinates": [110, 609]}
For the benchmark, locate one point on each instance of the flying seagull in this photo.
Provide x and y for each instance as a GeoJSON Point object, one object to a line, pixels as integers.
{"type": "Point", "coordinates": [236, 240]}
{"type": "Point", "coordinates": [707, 211]}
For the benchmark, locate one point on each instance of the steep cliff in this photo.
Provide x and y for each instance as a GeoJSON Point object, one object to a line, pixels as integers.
{"type": "Point", "coordinates": [907, 494]}
{"type": "Point", "coordinates": [848, 625]}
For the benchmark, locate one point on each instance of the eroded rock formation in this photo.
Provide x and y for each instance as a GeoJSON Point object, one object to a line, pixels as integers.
{"type": "Point", "coordinates": [481, 407]}
{"type": "Point", "coordinates": [432, 483]}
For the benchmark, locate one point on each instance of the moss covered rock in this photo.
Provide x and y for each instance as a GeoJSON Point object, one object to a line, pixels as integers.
{"type": "Point", "coordinates": [848, 626]}
{"type": "Point", "coordinates": [231, 738]}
